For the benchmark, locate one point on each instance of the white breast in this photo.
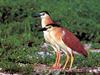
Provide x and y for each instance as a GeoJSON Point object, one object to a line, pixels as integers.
{"type": "Point", "coordinates": [48, 37]}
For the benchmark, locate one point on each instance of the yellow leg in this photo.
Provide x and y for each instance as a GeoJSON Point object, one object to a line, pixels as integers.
{"type": "Point", "coordinates": [67, 59]}
{"type": "Point", "coordinates": [72, 59]}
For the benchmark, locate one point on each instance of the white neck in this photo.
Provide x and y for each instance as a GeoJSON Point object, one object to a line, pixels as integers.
{"type": "Point", "coordinates": [43, 23]}
{"type": "Point", "coordinates": [46, 20]}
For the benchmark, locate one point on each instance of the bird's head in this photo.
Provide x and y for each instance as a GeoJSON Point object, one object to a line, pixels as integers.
{"type": "Point", "coordinates": [42, 14]}
{"type": "Point", "coordinates": [45, 18]}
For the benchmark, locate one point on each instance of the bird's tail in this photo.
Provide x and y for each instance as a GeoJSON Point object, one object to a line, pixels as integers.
{"type": "Point", "coordinates": [84, 53]}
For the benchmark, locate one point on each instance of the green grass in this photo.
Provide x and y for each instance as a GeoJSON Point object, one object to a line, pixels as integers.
{"type": "Point", "coordinates": [80, 61]}
{"type": "Point", "coordinates": [24, 63]}
{"type": "Point", "coordinates": [18, 28]}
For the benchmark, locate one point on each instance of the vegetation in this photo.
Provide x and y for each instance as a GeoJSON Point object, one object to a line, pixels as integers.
{"type": "Point", "coordinates": [20, 40]}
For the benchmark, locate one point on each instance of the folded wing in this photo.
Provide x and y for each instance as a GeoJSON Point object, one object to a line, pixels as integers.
{"type": "Point", "coordinates": [73, 42]}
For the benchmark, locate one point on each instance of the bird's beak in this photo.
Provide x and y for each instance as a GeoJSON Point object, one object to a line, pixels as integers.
{"type": "Point", "coordinates": [36, 15]}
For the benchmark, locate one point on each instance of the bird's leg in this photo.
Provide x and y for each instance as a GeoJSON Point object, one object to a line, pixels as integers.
{"type": "Point", "coordinates": [72, 59]}
{"type": "Point", "coordinates": [56, 65]}
{"type": "Point", "coordinates": [66, 62]}
{"type": "Point", "coordinates": [58, 61]}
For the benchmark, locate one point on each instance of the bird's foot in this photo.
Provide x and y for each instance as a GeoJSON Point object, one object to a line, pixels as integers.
{"type": "Point", "coordinates": [73, 68]}
{"type": "Point", "coordinates": [65, 68]}
{"type": "Point", "coordinates": [56, 66]}
{"type": "Point", "coordinates": [70, 69]}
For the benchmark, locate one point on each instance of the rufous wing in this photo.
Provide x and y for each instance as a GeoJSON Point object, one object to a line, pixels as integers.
{"type": "Point", "coordinates": [73, 42]}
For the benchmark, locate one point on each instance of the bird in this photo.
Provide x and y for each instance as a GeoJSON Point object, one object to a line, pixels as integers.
{"type": "Point", "coordinates": [60, 39]}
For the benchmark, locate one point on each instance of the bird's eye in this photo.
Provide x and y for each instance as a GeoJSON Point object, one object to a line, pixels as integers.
{"type": "Point", "coordinates": [43, 14]}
